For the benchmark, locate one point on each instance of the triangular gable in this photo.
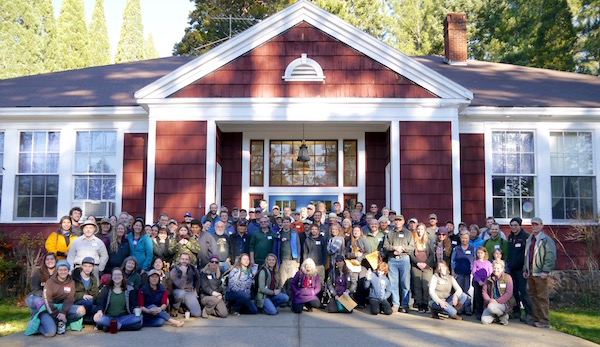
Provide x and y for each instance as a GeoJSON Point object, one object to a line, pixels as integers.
{"type": "Point", "coordinates": [328, 23]}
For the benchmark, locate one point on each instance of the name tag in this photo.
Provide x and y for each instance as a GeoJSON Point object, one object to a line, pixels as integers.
{"type": "Point", "coordinates": [67, 289]}
{"type": "Point", "coordinates": [209, 277]}
{"type": "Point", "coordinates": [442, 281]}
{"type": "Point", "coordinates": [269, 237]}
{"type": "Point", "coordinates": [454, 243]}
{"type": "Point", "coordinates": [94, 244]}
{"type": "Point", "coordinates": [318, 243]}
{"type": "Point", "coordinates": [401, 236]}
{"type": "Point", "coordinates": [380, 239]}
{"type": "Point", "coordinates": [496, 246]}
{"type": "Point", "coordinates": [467, 252]}
{"type": "Point", "coordinates": [502, 285]}
{"type": "Point", "coordinates": [518, 245]}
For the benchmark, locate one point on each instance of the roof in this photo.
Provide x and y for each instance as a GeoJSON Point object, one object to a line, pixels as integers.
{"type": "Point", "coordinates": [304, 11]}
{"type": "Point", "coordinates": [110, 85]}
{"type": "Point", "coordinates": [506, 85]}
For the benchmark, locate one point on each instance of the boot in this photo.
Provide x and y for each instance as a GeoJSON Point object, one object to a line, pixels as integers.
{"type": "Point", "coordinates": [456, 317]}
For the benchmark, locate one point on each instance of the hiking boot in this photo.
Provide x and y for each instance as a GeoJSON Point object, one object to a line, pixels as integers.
{"type": "Point", "coordinates": [527, 319]}
{"type": "Point", "coordinates": [458, 306]}
{"type": "Point", "coordinates": [456, 317]}
{"type": "Point", "coordinates": [541, 325]}
{"type": "Point", "coordinates": [435, 314]}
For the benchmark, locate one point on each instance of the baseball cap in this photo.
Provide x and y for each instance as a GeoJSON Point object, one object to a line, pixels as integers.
{"type": "Point", "coordinates": [172, 221]}
{"type": "Point", "coordinates": [399, 217]}
{"type": "Point", "coordinates": [153, 272]}
{"type": "Point", "coordinates": [105, 220]}
{"type": "Point", "coordinates": [442, 230]}
{"type": "Point", "coordinates": [187, 214]}
{"type": "Point", "coordinates": [251, 210]}
{"type": "Point", "coordinates": [275, 207]}
{"type": "Point", "coordinates": [332, 215]}
{"type": "Point", "coordinates": [433, 216]}
{"type": "Point", "coordinates": [258, 210]}
{"type": "Point", "coordinates": [537, 220]}
{"type": "Point", "coordinates": [413, 220]}
{"type": "Point", "coordinates": [88, 260]}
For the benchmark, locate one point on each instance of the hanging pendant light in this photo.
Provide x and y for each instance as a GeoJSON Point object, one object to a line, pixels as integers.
{"type": "Point", "coordinates": [303, 155]}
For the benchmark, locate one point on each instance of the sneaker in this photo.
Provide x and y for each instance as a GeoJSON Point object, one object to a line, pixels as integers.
{"type": "Point", "coordinates": [395, 309]}
{"type": "Point", "coordinates": [503, 319]}
{"type": "Point", "coordinates": [526, 319]}
{"type": "Point", "coordinates": [404, 309]}
{"type": "Point", "coordinates": [456, 317]}
{"type": "Point", "coordinates": [237, 314]}
{"type": "Point", "coordinates": [541, 325]}
{"type": "Point", "coordinates": [204, 314]}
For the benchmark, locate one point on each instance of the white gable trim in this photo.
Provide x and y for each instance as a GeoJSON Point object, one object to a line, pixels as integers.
{"type": "Point", "coordinates": [546, 114]}
{"type": "Point", "coordinates": [322, 20]}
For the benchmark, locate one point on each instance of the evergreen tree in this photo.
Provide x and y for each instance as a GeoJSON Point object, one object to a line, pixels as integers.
{"type": "Point", "coordinates": [587, 26]}
{"type": "Point", "coordinates": [150, 50]}
{"type": "Point", "coordinates": [72, 35]}
{"type": "Point", "coordinates": [20, 42]}
{"type": "Point", "coordinates": [99, 45]}
{"type": "Point", "coordinates": [49, 36]}
{"type": "Point", "coordinates": [131, 43]}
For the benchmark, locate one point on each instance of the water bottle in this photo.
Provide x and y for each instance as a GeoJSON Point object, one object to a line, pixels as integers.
{"type": "Point", "coordinates": [61, 328]}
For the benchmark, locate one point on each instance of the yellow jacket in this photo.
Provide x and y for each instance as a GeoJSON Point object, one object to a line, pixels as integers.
{"type": "Point", "coordinates": [56, 243]}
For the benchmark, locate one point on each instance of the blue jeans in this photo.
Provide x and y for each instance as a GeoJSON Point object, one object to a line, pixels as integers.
{"type": "Point", "coordinates": [89, 306]}
{"type": "Point", "coordinates": [399, 269]}
{"type": "Point", "coordinates": [158, 320]}
{"type": "Point", "coordinates": [241, 300]}
{"type": "Point", "coordinates": [48, 325]}
{"type": "Point", "coordinates": [450, 310]}
{"type": "Point", "coordinates": [128, 322]}
{"type": "Point", "coordinates": [464, 281]}
{"type": "Point", "coordinates": [34, 303]}
{"type": "Point", "coordinates": [271, 304]}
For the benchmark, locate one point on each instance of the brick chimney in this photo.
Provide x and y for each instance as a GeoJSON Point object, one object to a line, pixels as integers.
{"type": "Point", "coordinates": [455, 39]}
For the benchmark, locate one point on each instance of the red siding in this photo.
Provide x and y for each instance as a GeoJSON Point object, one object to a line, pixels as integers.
{"type": "Point", "coordinates": [135, 163]}
{"type": "Point", "coordinates": [13, 231]}
{"type": "Point", "coordinates": [229, 155]}
{"type": "Point", "coordinates": [348, 73]}
{"type": "Point", "coordinates": [472, 178]}
{"type": "Point", "coordinates": [377, 156]}
{"type": "Point", "coordinates": [180, 181]}
{"type": "Point", "coordinates": [426, 170]}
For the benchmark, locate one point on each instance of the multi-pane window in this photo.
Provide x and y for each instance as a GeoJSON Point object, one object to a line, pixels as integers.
{"type": "Point", "coordinates": [1, 163]}
{"type": "Point", "coordinates": [95, 165]}
{"type": "Point", "coordinates": [320, 170]}
{"type": "Point", "coordinates": [350, 163]}
{"type": "Point", "coordinates": [37, 181]}
{"type": "Point", "coordinates": [572, 170]}
{"type": "Point", "coordinates": [257, 162]}
{"type": "Point", "coordinates": [513, 174]}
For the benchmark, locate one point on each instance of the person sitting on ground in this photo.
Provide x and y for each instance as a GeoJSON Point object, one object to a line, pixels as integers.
{"type": "Point", "coordinates": [339, 284]}
{"type": "Point", "coordinates": [86, 287]}
{"type": "Point", "coordinates": [117, 301]}
{"type": "Point", "coordinates": [186, 283]}
{"type": "Point", "coordinates": [184, 243]}
{"type": "Point", "coordinates": [239, 286]}
{"type": "Point", "coordinates": [130, 271]}
{"type": "Point", "coordinates": [59, 242]}
{"type": "Point", "coordinates": [161, 269]}
{"type": "Point", "coordinates": [152, 299]}
{"type": "Point", "coordinates": [34, 301]}
{"type": "Point", "coordinates": [118, 250]}
{"type": "Point", "coordinates": [440, 291]}
{"type": "Point", "coordinates": [58, 309]}
{"type": "Point", "coordinates": [498, 295]}
{"type": "Point", "coordinates": [269, 295]}
{"type": "Point", "coordinates": [306, 285]}
{"type": "Point", "coordinates": [380, 290]}
{"type": "Point", "coordinates": [211, 296]}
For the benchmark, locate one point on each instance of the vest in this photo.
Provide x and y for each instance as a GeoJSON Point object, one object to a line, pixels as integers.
{"type": "Point", "coordinates": [463, 262]}
{"type": "Point", "coordinates": [152, 298]}
{"type": "Point", "coordinates": [443, 287]}
{"type": "Point", "coordinates": [501, 288]}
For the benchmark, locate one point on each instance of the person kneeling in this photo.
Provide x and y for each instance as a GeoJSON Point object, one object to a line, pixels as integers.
{"type": "Point", "coordinates": [239, 286]}
{"type": "Point", "coordinates": [498, 295]}
{"type": "Point", "coordinates": [269, 295]}
{"type": "Point", "coordinates": [117, 301]}
{"type": "Point", "coordinates": [306, 285]}
{"type": "Point", "coordinates": [440, 289]}
{"type": "Point", "coordinates": [380, 290]}
{"type": "Point", "coordinates": [340, 283]}
{"type": "Point", "coordinates": [211, 296]}
{"type": "Point", "coordinates": [152, 299]}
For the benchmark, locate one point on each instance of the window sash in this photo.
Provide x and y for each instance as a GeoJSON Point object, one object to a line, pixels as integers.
{"type": "Point", "coordinates": [321, 170]}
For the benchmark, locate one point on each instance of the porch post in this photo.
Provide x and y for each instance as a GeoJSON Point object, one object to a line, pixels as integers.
{"type": "Point", "coordinates": [211, 163]}
{"type": "Point", "coordinates": [151, 168]}
{"type": "Point", "coordinates": [395, 166]}
{"type": "Point", "coordinates": [456, 194]}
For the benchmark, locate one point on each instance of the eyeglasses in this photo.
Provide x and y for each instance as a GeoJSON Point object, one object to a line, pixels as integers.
{"type": "Point", "coordinates": [214, 262]}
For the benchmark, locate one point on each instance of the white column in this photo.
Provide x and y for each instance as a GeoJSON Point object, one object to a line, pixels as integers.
{"type": "Point", "coordinates": [361, 170]}
{"type": "Point", "coordinates": [395, 166]}
{"type": "Point", "coordinates": [151, 168]}
{"type": "Point", "coordinates": [456, 196]}
{"type": "Point", "coordinates": [211, 163]}
{"type": "Point", "coordinates": [245, 171]}
{"type": "Point", "coordinates": [10, 170]}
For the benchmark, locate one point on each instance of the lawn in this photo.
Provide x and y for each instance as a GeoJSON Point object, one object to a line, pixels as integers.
{"type": "Point", "coordinates": [581, 322]}
{"type": "Point", "coordinates": [13, 316]}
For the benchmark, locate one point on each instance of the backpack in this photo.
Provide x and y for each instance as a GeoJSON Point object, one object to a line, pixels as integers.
{"type": "Point", "coordinates": [254, 287]}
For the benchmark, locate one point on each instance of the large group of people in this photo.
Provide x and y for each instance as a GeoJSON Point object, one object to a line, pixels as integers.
{"type": "Point", "coordinates": [120, 273]}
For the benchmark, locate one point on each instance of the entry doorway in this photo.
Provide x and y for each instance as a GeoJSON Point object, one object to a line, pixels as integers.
{"type": "Point", "coordinates": [296, 202]}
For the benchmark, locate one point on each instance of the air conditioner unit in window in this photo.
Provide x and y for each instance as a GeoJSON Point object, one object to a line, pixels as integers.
{"type": "Point", "coordinates": [98, 209]}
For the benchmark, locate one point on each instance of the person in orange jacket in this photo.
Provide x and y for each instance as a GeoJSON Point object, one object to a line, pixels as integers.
{"type": "Point", "coordinates": [58, 242]}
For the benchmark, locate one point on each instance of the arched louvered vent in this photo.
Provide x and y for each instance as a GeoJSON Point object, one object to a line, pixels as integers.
{"type": "Point", "coordinates": [303, 69]}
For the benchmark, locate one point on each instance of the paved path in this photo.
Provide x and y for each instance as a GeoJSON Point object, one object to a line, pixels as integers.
{"type": "Point", "coordinates": [316, 329]}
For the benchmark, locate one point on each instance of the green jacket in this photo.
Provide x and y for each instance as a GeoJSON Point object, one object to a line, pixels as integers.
{"type": "Point", "coordinates": [263, 291]}
{"type": "Point", "coordinates": [261, 244]}
{"type": "Point", "coordinates": [490, 245]}
{"type": "Point", "coordinates": [192, 248]}
{"type": "Point", "coordinates": [80, 290]}
{"type": "Point", "coordinates": [544, 255]}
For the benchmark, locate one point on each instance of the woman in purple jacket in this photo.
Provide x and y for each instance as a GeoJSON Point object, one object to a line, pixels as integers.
{"type": "Point", "coordinates": [306, 285]}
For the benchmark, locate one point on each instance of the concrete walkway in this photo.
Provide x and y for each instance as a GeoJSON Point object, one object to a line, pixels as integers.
{"type": "Point", "coordinates": [315, 329]}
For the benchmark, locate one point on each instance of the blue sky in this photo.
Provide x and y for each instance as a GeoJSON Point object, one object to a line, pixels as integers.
{"type": "Point", "coordinates": [165, 19]}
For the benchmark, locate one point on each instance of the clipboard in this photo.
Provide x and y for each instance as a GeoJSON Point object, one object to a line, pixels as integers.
{"type": "Point", "coordinates": [373, 259]}
{"type": "Point", "coordinates": [348, 304]}
{"type": "Point", "coordinates": [353, 265]}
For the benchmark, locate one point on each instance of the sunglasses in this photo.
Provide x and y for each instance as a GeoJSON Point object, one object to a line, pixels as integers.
{"type": "Point", "coordinates": [214, 262]}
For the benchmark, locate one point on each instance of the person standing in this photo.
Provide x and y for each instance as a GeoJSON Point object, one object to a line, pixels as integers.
{"type": "Point", "coordinates": [462, 265]}
{"type": "Point", "coordinates": [88, 245]}
{"type": "Point", "coordinates": [288, 251]}
{"type": "Point", "coordinates": [540, 257]}
{"type": "Point", "coordinates": [261, 242]}
{"type": "Point", "coordinates": [60, 241]}
{"type": "Point", "coordinates": [517, 241]}
{"type": "Point", "coordinates": [399, 245]}
{"type": "Point", "coordinates": [205, 240]}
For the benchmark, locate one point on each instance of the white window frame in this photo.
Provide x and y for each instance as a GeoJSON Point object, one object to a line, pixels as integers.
{"type": "Point", "coordinates": [593, 174]}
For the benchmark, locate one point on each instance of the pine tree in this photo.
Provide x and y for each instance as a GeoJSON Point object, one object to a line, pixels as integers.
{"type": "Point", "coordinates": [72, 35]}
{"type": "Point", "coordinates": [131, 43]}
{"type": "Point", "coordinates": [150, 50]}
{"type": "Point", "coordinates": [99, 45]}
{"type": "Point", "coordinates": [49, 36]}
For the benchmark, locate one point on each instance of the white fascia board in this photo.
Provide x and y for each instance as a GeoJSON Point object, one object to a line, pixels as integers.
{"type": "Point", "coordinates": [72, 113]}
{"type": "Point", "coordinates": [322, 20]}
{"type": "Point", "coordinates": [546, 114]}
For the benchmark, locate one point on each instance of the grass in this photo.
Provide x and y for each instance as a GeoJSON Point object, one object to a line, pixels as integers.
{"type": "Point", "coordinates": [581, 322]}
{"type": "Point", "coordinates": [13, 316]}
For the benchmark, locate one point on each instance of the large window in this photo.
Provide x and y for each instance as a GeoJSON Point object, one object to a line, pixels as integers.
{"type": "Point", "coordinates": [513, 174]}
{"type": "Point", "coordinates": [350, 163]}
{"type": "Point", "coordinates": [320, 170]}
{"type": "Point", "coordinates": [95, 165]}
{"type": "Point", "coordinates": [37, 179]}
{"type": "Point", "coordinates": [257, 162]}
{"type": "Point", "coordinates": [572, 169]}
